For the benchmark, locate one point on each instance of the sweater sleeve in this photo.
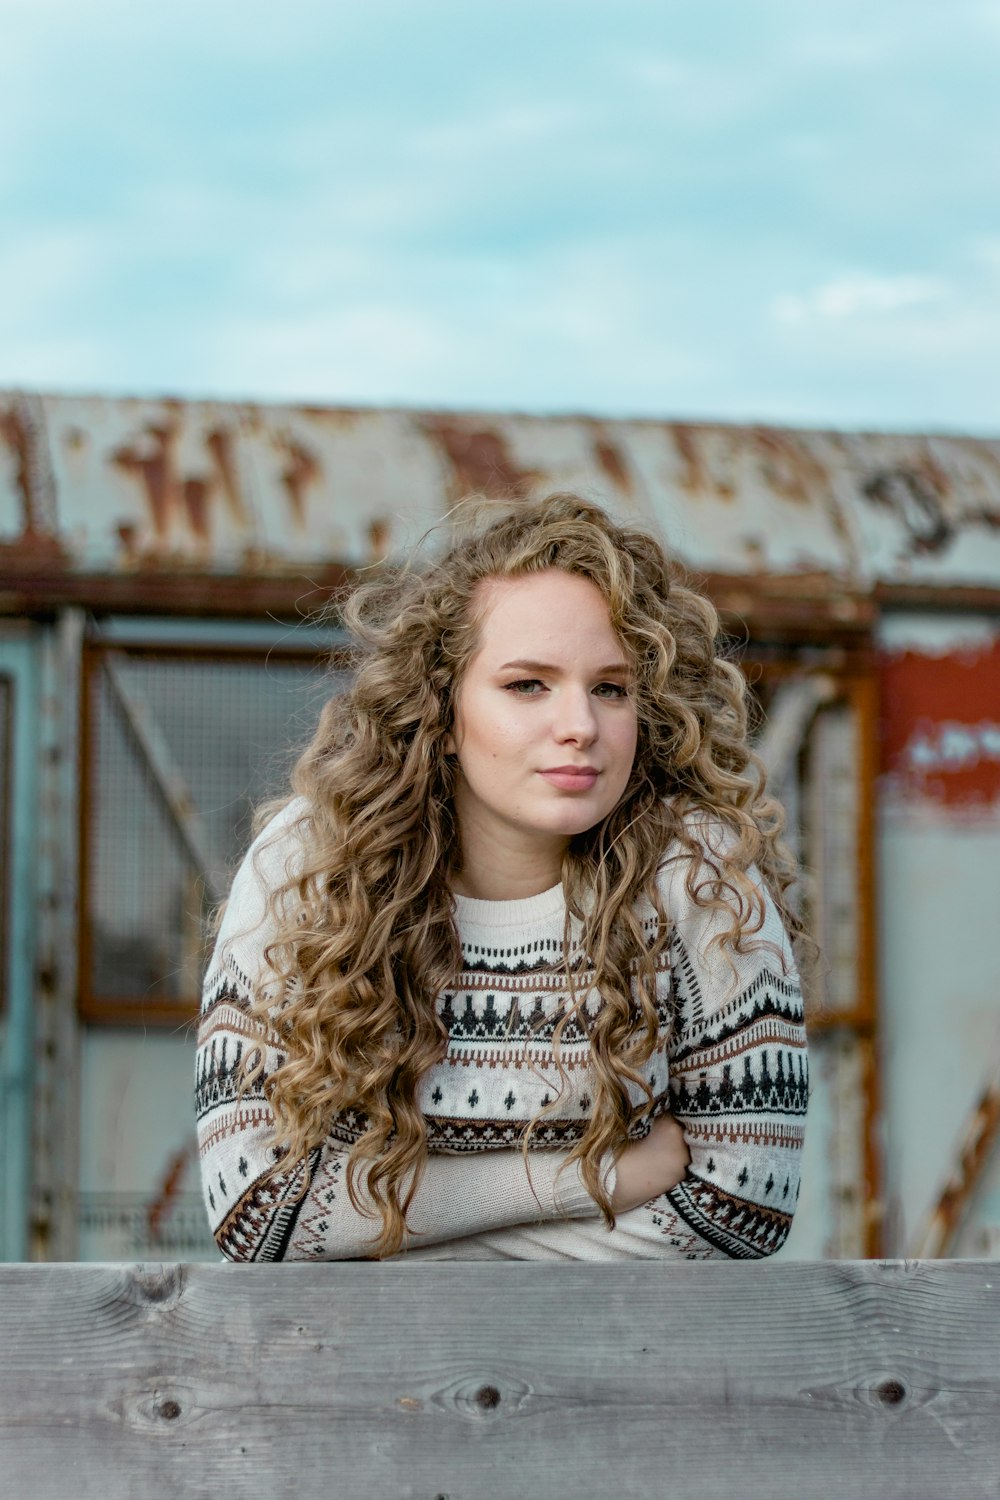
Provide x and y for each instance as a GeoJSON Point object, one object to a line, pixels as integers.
{"type": "Point", "coordinates": [739, 1084]}
{"type": "Point", "coordinates": [305, 1213]}
{"type": "Point", "coordinates": [739, 1088]}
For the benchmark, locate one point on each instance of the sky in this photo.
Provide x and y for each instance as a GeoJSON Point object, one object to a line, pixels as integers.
{"type": "Point", "coordinates": [704, 210]}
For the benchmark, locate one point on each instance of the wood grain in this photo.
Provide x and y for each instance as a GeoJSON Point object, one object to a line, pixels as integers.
{"type": "Point", "coordinates": [506, 1381]}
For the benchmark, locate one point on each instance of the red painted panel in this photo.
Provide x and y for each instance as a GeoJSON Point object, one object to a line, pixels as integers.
{"type": "Point", "coordinates": [941, 726]}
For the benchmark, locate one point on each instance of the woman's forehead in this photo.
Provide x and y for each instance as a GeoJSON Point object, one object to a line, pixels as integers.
{"type": "Point", "coordinates": [540, 609]}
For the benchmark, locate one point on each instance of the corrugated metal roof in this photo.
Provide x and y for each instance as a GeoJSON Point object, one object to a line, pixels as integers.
{"type": "Point", "coordinates": [94, 485]}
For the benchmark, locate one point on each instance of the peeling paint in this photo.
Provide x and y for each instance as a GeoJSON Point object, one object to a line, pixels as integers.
{"type": "Point", "coordinates": [16, 438]}
{"type": "Point", "coordinates": [149, 461]}
{"type": "Point", "coordinates": [22, 431]}
{"type": "Point", "coordinates": [480, 459]}
{"type": "Point", "coordinates": [219, 442]}
{"type": "Point", "coordinates": [941, 727]}
{"type": "Point", "coordinates": [612, 463]}
{"type": "Point", "coordinates": [694, 475]}
{"type": "Point", "coordinates": [788, 466]}
{"type": "Point", "coordinates": [300, 472]}
{"type": "Point", "coordinates": [915, 496]}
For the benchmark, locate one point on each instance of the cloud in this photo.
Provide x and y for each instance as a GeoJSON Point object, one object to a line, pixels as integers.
{"type": "Point", "coordinates": [583, 329]}
{"type": "Point", "coordinates": [985, 250]}
{"type": "Point", "coordinates": [43, 273]}
{"type": "Point", "coordinates": [860, 294]}
{"type": "Point", "coordinates": [513, 126]}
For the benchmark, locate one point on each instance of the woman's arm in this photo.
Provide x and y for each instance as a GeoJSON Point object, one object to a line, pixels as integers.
{"type": "Point", "coordinates": [739, 1083]}
{"type": "Point", "coordinates": [306, 1212]}
{"type": "Point", "coordinates": [738, 1089]}
{"type": "Point", "coordinates": [256, 1218]}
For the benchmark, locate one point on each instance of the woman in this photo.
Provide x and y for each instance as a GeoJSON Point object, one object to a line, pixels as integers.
{"type": "Point", "coordinates": [509, 974]}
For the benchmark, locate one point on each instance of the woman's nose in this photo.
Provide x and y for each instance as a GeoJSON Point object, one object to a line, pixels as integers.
{"type": "Point", "coordinates": [575, 718]}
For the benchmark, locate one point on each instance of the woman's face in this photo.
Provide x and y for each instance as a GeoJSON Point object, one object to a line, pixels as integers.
{"type": "Point", "coordinates": [545, 727]}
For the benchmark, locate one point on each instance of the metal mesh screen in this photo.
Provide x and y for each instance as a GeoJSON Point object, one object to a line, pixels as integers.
{"type": "Point", "coordinates": [216, 737]}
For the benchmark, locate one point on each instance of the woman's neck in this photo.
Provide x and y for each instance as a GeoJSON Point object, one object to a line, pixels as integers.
{"type": "Point", "coordinates": [502, 871]}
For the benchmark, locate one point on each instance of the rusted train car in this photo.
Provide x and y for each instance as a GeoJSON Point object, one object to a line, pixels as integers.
{"type": "Point", "coordinates": [164, 568]}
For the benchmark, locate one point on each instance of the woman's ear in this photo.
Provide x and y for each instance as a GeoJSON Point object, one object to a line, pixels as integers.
{"type": "Point", "coordinates": [449, 744]}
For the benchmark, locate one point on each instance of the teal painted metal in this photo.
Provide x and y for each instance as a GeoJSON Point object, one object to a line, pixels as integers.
{"type": "Point", "coordinates": [56, 1113]}
{"type": "Point", "coordinates": [19, 661]}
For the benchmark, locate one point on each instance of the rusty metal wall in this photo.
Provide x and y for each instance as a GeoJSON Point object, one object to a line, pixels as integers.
{"type": "Point", "coordinates": [109, 487]}
{"type": "Point", "coordinates": [939, 898]}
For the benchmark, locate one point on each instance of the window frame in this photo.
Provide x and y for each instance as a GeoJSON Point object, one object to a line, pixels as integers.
{"type": "Point", "coordinates": [133, 1011]}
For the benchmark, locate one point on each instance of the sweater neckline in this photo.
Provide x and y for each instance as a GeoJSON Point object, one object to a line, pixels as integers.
{"type": "Point", "coordinates": [471, 912]}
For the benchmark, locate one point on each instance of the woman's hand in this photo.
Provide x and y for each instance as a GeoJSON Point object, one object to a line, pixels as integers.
{"type": "Point", "coordinates": [651, 1166]}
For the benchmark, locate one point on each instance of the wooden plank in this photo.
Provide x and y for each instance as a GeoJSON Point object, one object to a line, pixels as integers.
{"type": "Point", "coordinates": [506, 1381]}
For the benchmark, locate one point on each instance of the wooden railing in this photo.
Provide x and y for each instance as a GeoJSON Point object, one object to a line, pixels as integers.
{"type": "Point", "coordinates": [501, 1381]}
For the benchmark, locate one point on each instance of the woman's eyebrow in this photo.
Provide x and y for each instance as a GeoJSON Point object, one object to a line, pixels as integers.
{"type": "Point", "coordinates": [619, 668]}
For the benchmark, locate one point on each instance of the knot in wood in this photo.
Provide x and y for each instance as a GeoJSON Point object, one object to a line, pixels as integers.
{"type": "Point", "coordinates": [891, 1392]}
{"type": "Point", "coordinates": [155, 1285]}
{"type": "Point", "coordinates": [169, 1410]}
{"type": "Point", "coordinates": [483, 1397]}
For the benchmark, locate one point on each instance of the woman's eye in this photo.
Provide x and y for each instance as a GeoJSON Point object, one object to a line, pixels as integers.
{"type": "Point", "coordinates": [525, 687]}
{"type": "Point", "coordinates": [611, 690]}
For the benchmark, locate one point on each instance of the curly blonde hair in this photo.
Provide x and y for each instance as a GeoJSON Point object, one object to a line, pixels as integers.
{"type": "Point", "coordinates": [366, 937]}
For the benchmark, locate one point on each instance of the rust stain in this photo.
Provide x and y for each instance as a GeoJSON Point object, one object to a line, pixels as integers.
{"type": "Point", "coordinates": [379, 538]}
{"type": "Point", "coordinates": [127, 536]}
{"type": "Point", "coordinates": [153, 465]}
{"type": "Point", "coordinates": [219, 442]}
{"type": "Point", "coordinates": [159, 1209]}
{"type": "Point", "coordinates": [196, 493]}
{"type": "Point", "coordinates": [39, 545]}
{"type": "Point", "coordinates": [694, 476]}
{"type": "Point", "coordinates": [978, 1143]}
{"type": "Point", "coordinates": [988, 454]}
{"type": "Point", "coordinates": [332, 416]}
{"type": "Point", "coordinates": [480, 459]}
{"type": "Point", "coordinates": [15, 435]}
{"type": "Point", "coordinates": [154, 471]}
{"type": "Point", "coordinates": [299, 473]}
{"type": "Point", "coordinates": [838, 522]}
{"type": "Point", "coordinates": [34, 551]}
{"type": "Point", "coordinates": [788, 466]}
{"type": "Point", "coordinates": [941, 726]}
{"type": "Point", "coordinates": [611, 459]}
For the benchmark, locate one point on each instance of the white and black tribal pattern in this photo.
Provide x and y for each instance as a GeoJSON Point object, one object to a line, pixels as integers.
{"type": "Point", "coordinates": [730, 1065]}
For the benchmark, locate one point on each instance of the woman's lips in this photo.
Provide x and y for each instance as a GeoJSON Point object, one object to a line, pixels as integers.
{"type": "Point", "coordinates": [569, 780]}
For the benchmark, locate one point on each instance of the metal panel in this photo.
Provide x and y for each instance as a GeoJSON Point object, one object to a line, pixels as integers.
{"type": "Point", "coordinates": [19, 647]}
{"type": "Point", "coordinates": [140, 1190]}
{"type": "Point", "coordinates": [56, 1103]}
{"type": "Point", "coordinates": [939, 854]}
{"type": "Point", "coordinates": [115, 487]}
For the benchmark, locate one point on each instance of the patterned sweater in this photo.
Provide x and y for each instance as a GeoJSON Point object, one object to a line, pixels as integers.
{"type": "Point", "coordinates": [730, 1065]}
